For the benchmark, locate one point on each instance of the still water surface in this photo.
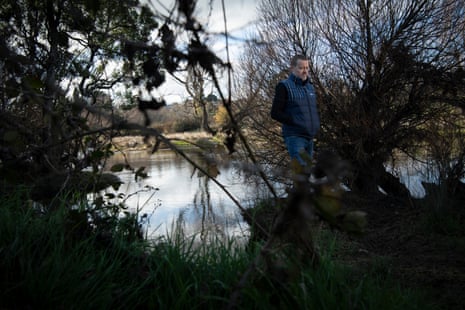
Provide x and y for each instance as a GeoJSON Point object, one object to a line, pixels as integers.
{"type": "Point", "coordinates": [176, 193]}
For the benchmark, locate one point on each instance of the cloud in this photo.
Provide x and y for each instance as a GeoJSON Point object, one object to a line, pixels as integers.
{"type": "Point", "coordinates": [240, 18]}
{"type": "Point", "coordinates": [239, 14]}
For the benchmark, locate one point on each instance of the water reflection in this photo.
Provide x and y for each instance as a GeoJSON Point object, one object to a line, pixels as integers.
{"type": "Point", "coordinates": [412, 173]}
{"type": "Point", "coordinates": [175, 193]}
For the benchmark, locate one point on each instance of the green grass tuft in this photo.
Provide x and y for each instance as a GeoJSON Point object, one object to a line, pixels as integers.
{"type": "Point", "coordinates": [44, 263]}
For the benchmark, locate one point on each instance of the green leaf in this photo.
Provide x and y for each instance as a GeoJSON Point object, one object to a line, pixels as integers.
{"type": "Point", "coordinates": [110, 195]}
{"type": "Point", "coordinates": [97, 155]}
{"type": "Point", "coordinates": [354, 221]}
{"type": "Point", "coordinates": [117, 168]}
{"type": "Point", "coordinates": [328, 201]}
{"type": "Point", "coordinates": [140, 173]}
{"type": "Point", "coordinates": [116, 186]}
{"type": "Point", "coordinates": [306, 157]}
{"type": "Point", "coordinates": [328, 206]}
{"type": "Point", "coordinates": [296, 167]}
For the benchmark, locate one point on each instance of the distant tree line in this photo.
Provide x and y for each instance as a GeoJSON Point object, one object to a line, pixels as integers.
{"type": "Point", "coordinates": [180, 117]}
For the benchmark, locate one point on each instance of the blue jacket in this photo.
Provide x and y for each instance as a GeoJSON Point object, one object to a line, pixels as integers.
{"type": "Point", "coordinates": [294, 105]}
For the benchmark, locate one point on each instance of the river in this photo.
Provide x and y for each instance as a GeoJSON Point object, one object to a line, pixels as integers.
{"type": "Point", "coordinates": [175, 194]}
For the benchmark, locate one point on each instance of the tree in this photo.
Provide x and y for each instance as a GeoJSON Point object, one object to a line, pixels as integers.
{"type": "Point", "coordinates": [58, 118]}
{"type": "Point", "coordinates": [221, 117]}
{"type": "Point", "coordinates": [60, 62]}
{"type": "Point", "coordinates": [382, 71]}
{"type": "Point", "coordinates": [55, 57]}
{"type": "Point", "coordinates": [195, 86]}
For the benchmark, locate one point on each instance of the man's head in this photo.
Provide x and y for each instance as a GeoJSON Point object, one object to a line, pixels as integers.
{"type": "Point", "coordinates": [300, 66]}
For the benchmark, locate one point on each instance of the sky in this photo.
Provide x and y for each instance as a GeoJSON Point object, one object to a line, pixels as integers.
{"type": "Point", "coordinates": [240, 16]}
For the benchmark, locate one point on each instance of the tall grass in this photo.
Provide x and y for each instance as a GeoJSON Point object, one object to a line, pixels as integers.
{"type": "Point", "coordinates": [45, 264]}
{"type": "Point", "coordinates": [444, 213]}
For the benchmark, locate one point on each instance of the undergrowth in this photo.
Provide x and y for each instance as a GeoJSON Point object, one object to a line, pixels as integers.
{"type": "Point", "coordinates": [46, 263]}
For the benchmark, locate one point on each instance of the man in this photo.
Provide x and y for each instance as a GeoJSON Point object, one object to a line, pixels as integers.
{"type": "Point", "coordinates": [294, 106]}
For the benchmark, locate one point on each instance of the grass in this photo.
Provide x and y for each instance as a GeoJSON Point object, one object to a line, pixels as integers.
{"type": "Point", "coordinates": [444, 214]}
{"type": "Point", "coordinates": [47, 262]}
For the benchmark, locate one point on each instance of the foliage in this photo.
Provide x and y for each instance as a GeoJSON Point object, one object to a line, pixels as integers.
{"type": "Point", "coordinates": [448, 152]}
{"type": "Point", "coordinates": [55, 57]}
{"type": "Point", "coordinates": [51, 260]}
{"type": "Point", "coordinates": [195, 85]}
{"type": "Point", "coordinates": [383, 73]}
{"type": "Point", "coordinates": [221, 117]}
{"type": "Point", "coordinates": [183, 125]}
{"type": "Point", "coordinates": [58, 121]}
{"type": "Point", "coordinates": [443, 209]}
{"type": "Point", "coordinates": [290, 240]}
{"type": "Point", "coordinates": [47, 263]}
{"type": "Point", "coordinates": [62, 61]}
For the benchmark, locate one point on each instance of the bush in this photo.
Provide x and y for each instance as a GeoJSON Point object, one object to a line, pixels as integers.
{"type": "Point", "coordinates": [42, 266]}
{"type": "Point", "coordinates": [188, 124]}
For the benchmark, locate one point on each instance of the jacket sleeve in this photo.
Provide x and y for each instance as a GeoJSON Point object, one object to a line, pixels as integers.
{"type": "Point", "coordinates": [278, 108]}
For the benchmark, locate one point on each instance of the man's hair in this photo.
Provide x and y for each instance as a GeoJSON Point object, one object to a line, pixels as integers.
{"type": "Point", "coordinates": [296, 58]}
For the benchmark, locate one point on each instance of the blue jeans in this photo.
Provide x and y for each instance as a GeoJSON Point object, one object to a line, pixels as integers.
{"type": "Point", "coordinates": [297, 144]}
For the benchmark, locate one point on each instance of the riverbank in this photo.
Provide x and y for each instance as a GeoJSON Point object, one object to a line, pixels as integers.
{"type": "Point", "coordinates": [52, 261]}
{"type": "Point", "coordinates": [413, 243]}
{"type": "Point", "coordinates": [139, 143]}
{"type": "Point", "coordinates": [420, 245]}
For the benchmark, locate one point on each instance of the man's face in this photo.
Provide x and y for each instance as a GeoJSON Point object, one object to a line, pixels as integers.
{"type": "Point", "coordinates": [301, 69]}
